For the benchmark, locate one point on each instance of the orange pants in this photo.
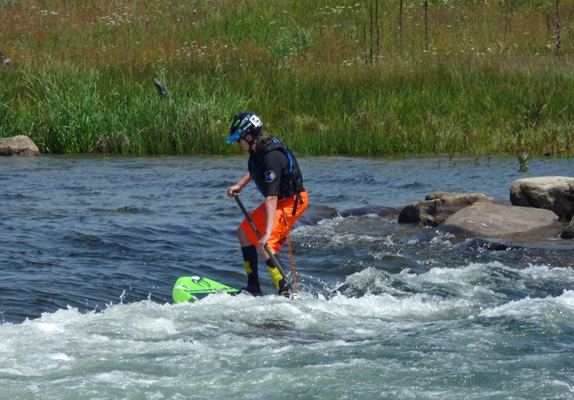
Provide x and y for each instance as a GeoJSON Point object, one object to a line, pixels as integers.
{"type": "Point", "coordinates": [284, 220]}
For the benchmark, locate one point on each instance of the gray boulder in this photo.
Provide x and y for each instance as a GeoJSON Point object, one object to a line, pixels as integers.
{"type": "Point", "coordinates": [487, 220]}
{"type": "Point", "coordinates": [554, 193]}
{"type": "Point", "coordinates": [439, 206]}
{"type": "Point", "coordinates": [18, 146]}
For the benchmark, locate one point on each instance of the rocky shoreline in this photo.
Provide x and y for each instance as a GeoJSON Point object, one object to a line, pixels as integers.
{"type": "Point", "coordinates": [539, 208]}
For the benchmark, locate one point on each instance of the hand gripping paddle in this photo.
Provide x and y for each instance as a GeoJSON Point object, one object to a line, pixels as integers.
{"type": "Point", "coordinates": [294, 293]}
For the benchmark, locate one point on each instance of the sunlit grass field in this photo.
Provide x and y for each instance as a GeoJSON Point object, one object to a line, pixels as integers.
{"type": "Point", "coordinates": [327, 77]}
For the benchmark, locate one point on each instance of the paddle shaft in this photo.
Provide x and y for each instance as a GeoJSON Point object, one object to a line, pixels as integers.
{"type": "Point", "coordinates": [267, 249]}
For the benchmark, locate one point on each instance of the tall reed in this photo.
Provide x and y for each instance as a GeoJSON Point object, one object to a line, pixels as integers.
{"type": "Point", "coordinates": [447, 81]}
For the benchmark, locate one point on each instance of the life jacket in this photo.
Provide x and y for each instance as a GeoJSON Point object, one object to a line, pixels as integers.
{"type": "Point", "coordinates": [292, 185]}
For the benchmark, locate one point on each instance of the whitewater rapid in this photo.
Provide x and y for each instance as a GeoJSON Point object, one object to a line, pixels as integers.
{"type": "Point", "coordinates": [445, 329]}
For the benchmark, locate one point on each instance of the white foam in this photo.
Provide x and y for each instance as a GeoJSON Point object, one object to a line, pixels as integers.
{"type": "Point", "coordinates": [535, 308]}
{"type": "Point", "coordinates": [547, 273]}
{"type": "Point", "coordinates": [224, 345]}
{"type": "Point", "coordinates": [338, 231]}
{"type": "Point", "coordinates": [61, 357]}
{"type": "Point", "coordinates": [48, 327]}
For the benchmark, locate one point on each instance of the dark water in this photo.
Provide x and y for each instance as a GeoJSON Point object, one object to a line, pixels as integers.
{"type": "Point", "coordinates": [91, 248]}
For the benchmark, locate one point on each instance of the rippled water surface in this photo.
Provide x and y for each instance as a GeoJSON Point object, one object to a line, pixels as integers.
{"type": "Point", "coordinates": [91, 248]}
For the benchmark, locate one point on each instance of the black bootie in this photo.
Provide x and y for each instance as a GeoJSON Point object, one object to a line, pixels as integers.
{"type": "Point", "coordinates": [279, 280]}
{"type": "Point", "coordinates": [250, 261]}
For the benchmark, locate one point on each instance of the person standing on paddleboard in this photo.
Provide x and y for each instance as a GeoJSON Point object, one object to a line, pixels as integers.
{"type": "Point", "coordinates": [274, 169]}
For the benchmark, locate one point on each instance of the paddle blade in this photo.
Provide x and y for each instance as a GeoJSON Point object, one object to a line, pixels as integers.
{"type": "Point", "coordinates": [188, 288]}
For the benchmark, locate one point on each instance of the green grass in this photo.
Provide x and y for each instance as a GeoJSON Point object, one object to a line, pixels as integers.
{"type": "Point", "coordinates": [81, 78]}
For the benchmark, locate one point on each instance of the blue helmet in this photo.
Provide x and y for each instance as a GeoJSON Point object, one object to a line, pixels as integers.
{"type": "Point", "coordinates": [244, 124]}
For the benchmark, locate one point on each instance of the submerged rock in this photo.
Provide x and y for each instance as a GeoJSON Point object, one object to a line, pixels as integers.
{"type": "Point", "coordinates": [488, 220]}
{"type": "Point", "coordinates": [555, 193]}
{"type": "Point", "coordinates": [568, 232]}
{"type": "Point", "coordinates": [18, 146]}
{"type": "Point", "coordinates": [494, 244]}
{"type": "Point", "coordinates": [316, 213]}
{"type": "Point", "coordinates": [381, 211]}
{"type": "Point", "coordinates": [439, 206]}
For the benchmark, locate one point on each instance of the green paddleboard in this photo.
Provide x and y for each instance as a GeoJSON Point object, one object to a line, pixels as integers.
{"type": "Point", "coordinates": [188, 288]}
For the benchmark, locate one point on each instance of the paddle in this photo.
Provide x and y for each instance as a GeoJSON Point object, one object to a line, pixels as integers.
{"type": "Point", "coordinates": [267, 249]}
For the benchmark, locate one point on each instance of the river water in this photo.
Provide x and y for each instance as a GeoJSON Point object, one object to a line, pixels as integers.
{"type": "Point", "coordinates": [91, 247]}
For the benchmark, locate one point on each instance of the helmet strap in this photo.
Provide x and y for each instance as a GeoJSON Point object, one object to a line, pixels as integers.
{"type": "Point", "coordinates": [249, 142]}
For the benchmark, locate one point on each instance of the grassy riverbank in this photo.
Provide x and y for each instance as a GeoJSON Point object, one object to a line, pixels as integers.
{"type": "Point", "coordinates": [482, 79]}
